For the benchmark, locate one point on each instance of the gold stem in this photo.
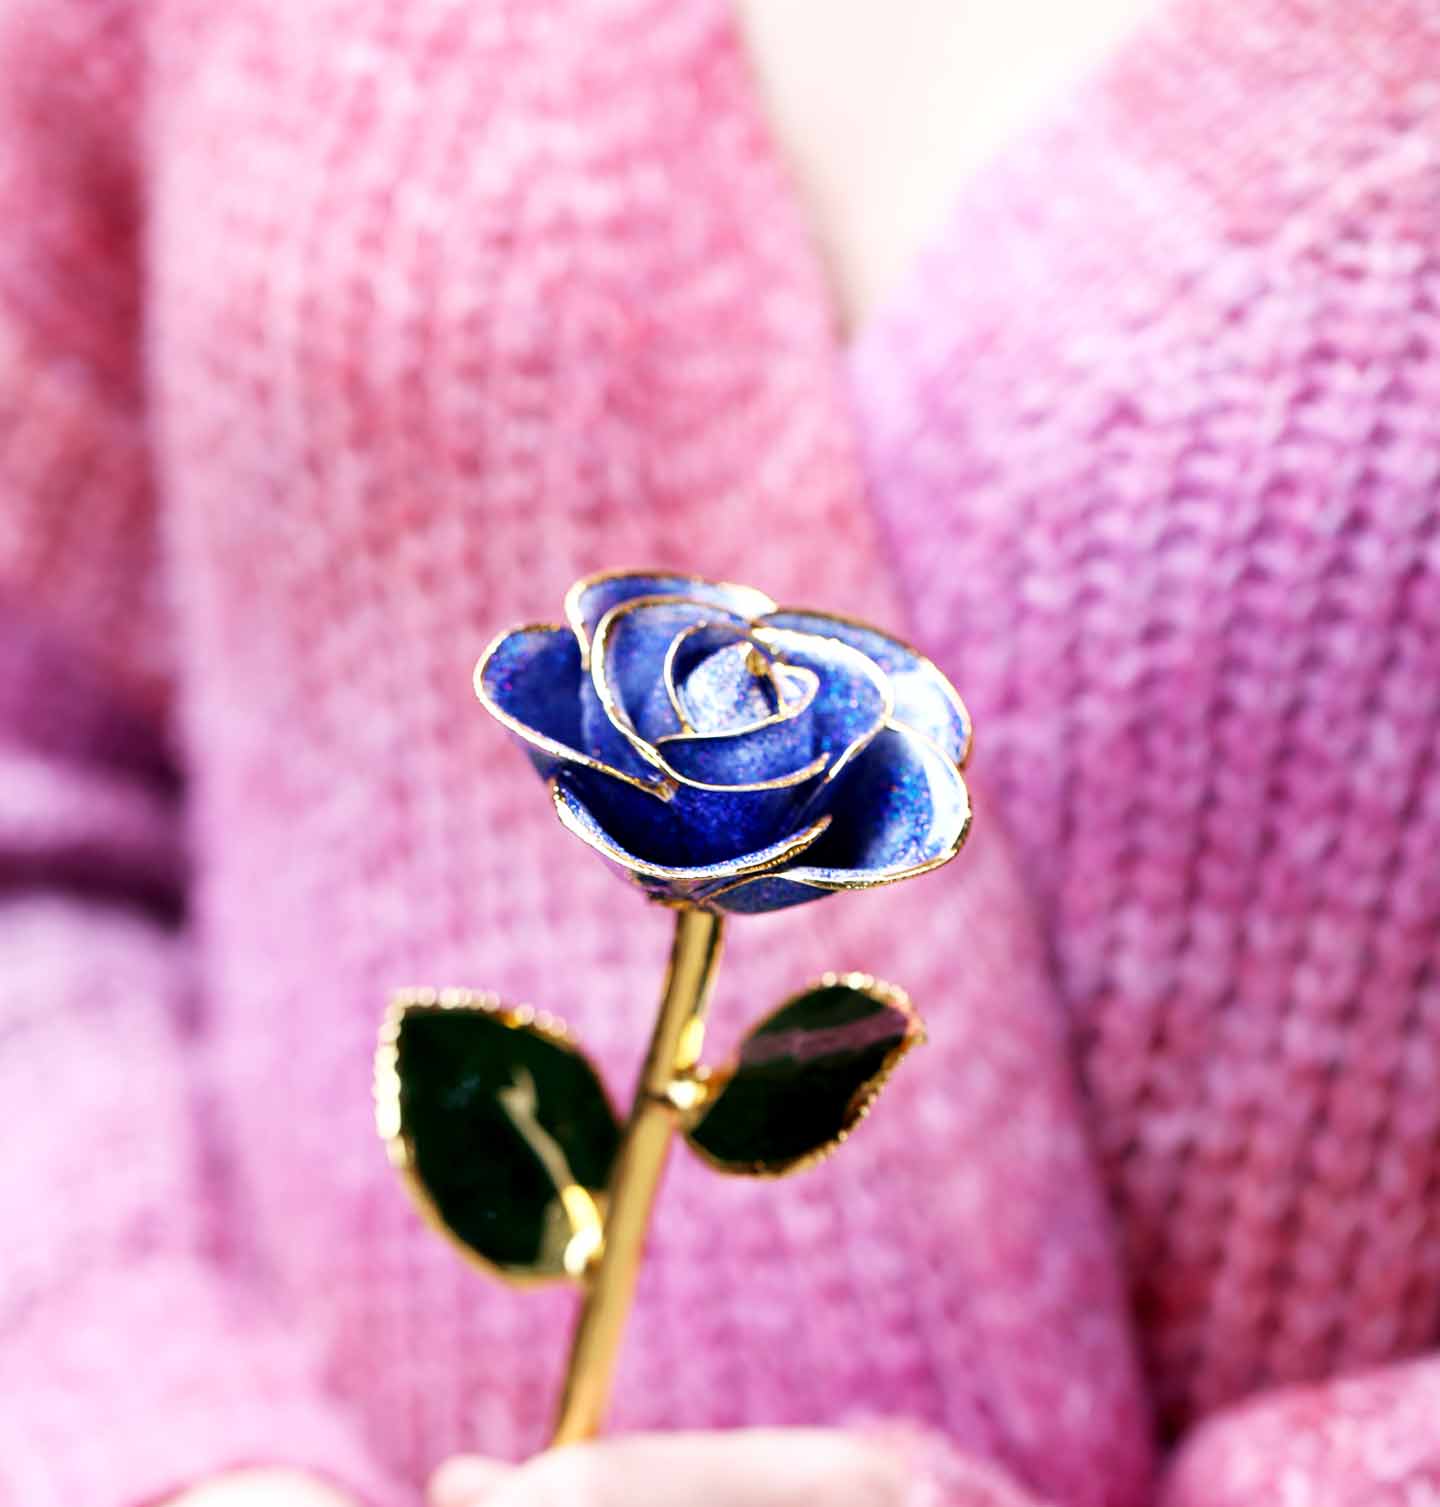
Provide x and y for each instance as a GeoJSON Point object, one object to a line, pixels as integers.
{"type": "Point", "coordinates": [674, 1049]}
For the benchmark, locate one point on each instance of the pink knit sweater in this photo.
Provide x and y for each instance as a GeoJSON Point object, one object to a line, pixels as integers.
{"type": "Point", "coordinates": [337, 335]}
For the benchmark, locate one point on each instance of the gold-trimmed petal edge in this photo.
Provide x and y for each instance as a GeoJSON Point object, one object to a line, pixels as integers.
{"type": "Point", "coordinates": [780, 852]}
{"type": "Point", "coordinates": [672, 692]}
{"type": "Point", "coordinates": [876, 879]}
{"type": "Point", "coordinates": [662, 788]}
{"type": "Point", "coordinates": [879, 679]}
{"type": "Point", "coordinates": [609, 702]}
{"type": "Point", "coordinates": [578, 588]}
{"type": "Point", "coordinates": [648, 751]}
{"type": "Point", "coordinates": [792, 710]}
{"type": "Point", "coordinates": [947, 686]}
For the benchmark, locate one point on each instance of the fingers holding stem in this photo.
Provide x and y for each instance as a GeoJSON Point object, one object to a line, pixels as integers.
{"type": "Point", "coordinates": [748, 1468]}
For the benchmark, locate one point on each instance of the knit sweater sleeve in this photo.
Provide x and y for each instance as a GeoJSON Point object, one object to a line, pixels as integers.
{"type": "Point", "coordinates": [130, 1364]}
{"type": "Point", "coordinates": [1366, 1440]}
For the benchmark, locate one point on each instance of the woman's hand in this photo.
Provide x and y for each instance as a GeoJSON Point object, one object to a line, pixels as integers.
{"type": "Point", "coordinates": [263, 1488]}
{"type": "Point", "coordinates": [749, 1468]}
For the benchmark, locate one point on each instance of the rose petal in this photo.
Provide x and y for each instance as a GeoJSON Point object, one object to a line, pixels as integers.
{"type": "Point", "coordinates": [722, 822]}
{"type": "Point", "coordinates": [924, 698]}
{"type": "Point", "coordinates": [780, 754]}
{"type": "Point", "coordinates": [530, 680]}
{"type": "Point", "coordinates": [901, 810]}
{"type": "Point", "coordinates": [665, 880]}
{"type": "Point", "coordinates": [606, 741]}
{"type": "Point", "coordinates": [695, 827]}
{"type": "Point", "coordinates": [853, 699]}
{"type": "Point", "coordinates": [849, 707]}
{"type": "Point", "coordinates": [627, 665]}
{"type": "Point", "coordinates": [591, 597]}
{"type": "Point", "coordinates": [711, 679]}
{"type": "Point", "coordinates": [738, 736]}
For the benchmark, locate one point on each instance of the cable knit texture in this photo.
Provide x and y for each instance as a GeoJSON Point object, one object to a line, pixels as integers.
{"type": "Point", "coordinates": [336, 336]}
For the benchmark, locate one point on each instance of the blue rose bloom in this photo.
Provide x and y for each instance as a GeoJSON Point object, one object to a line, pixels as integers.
{"type": "Point", "coordinates": [727, 752]}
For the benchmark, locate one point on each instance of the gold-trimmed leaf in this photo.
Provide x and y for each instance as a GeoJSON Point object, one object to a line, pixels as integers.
{"type": "Point", "coordinates": [804, 1078]}
{"type": "Point", "coordinates": [500, 1128]}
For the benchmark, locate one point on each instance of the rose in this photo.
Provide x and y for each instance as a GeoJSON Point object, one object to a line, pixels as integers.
{"type": "Point", "coordinates": [727, 752]}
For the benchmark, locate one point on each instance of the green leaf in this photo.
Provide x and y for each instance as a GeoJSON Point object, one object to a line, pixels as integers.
{"type": "Point", "coordinates": [805, 1077]}
{"type": "Point", "coordinates": [500, 1128]}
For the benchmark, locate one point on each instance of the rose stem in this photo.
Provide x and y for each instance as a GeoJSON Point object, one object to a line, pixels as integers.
{"type": "Point", "coordinates": [610, 1284]}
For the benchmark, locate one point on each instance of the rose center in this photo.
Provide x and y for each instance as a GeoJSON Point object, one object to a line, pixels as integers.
{"type": "Point", "coordinates": [737, 686]}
